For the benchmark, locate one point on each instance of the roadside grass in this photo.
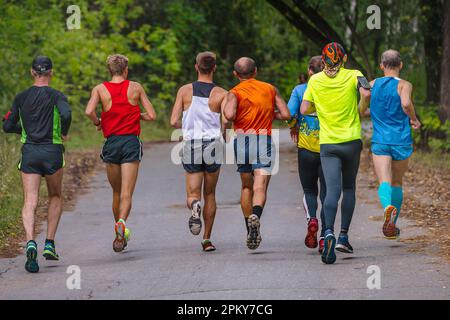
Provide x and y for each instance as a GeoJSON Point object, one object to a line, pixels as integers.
{"type": "Point", "coordinates": [433, 159]}
{"type": "Point", "coordinates": [10, 189]}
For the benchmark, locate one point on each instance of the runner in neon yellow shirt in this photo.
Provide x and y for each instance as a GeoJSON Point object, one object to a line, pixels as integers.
{"type": "Point", "coordinates": [336, 103]}
{"type": "Point", "coordinates": [333, 95]}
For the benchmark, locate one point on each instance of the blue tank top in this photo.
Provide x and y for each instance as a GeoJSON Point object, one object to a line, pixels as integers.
{"type": "Point", "coordinates": [390, 123]}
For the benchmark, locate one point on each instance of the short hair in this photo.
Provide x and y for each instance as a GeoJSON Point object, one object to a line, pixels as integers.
{"type": "Point", "coordinates": [315, 64]}
{"type": "Point", "coordinates": [245, 67]}
{"type": "Point", "coordinates": [302, 78]}
{"type": "Point", "coordinates": [206, 62]}
{"type": "Point", "coordinates": [391, 59]}
{"type": "Point", "coordinates": [37, 74]}
{"type": "Point", "coordinates": [117, 64]}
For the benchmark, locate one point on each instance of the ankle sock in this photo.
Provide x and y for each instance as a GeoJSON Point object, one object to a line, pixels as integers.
{"type": "Point", "coordinates": [257, 210]}
{"type": "Point", "coordinates": [194, 202]}
{"type": "Point", "coordinates": [31, 243]}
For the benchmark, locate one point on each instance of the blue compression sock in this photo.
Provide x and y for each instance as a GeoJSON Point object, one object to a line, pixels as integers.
{"type": "Point", "coordinates": [397, 198]}
{"type": "Point", "coordinates": [385, 194]}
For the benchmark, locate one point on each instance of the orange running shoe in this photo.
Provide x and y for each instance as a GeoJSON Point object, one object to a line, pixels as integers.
{"type": "Point", "coordinates": [389, 228]}
{"type": "Point", "coordinates": [120, 241]}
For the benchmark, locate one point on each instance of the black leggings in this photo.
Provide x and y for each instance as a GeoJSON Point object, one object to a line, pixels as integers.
{"type": "Point", "coordinates": [340, 164]}
{"type": "Point", "coordinates": [310, 171]}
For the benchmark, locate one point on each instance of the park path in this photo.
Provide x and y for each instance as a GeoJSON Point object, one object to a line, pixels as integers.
{"type": "Point", "coordinates": [164, 261]}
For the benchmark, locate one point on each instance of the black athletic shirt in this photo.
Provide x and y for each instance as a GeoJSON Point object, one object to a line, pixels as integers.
{"type": "Point", "coordinates": [41, 115]}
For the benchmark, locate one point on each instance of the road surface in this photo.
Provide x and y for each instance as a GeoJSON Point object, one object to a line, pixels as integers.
{"type": "Point", "coordinates": [164, 261]}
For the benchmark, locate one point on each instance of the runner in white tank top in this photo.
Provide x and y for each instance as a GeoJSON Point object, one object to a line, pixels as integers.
{"type": "Point", "coordinates": [200, 106]}
{"type": "Point", "coordinates": [199, 122]}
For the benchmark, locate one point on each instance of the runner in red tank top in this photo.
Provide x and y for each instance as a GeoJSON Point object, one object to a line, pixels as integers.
{"type": "Point", "coordinates": [123, 118]}
{"type": "Point", "coordinates": [122, 150]}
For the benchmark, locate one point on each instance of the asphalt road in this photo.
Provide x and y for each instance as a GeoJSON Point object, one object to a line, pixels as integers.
{"type": "Point", "coordinates": [164, 261]}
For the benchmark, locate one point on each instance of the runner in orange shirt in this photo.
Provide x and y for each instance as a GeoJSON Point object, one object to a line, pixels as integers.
{"type": "Point", "coordinates": [252, 106]}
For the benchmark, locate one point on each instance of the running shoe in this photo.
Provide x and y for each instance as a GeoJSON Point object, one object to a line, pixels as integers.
{"type": "Point", "coordinates": [389, 228]}
{"type": "Point", "coordinates": [32, 265]}
{"type": "Point", "coordinates": [311, 237]}
{"type": "Point", "coordinates": [321, 244]}
{"type": "Point", "coordinates": [195, 221]}
{"type": "Point", "coordinates": [208, 246]}
{"type": "Point", "coordinates": [50, 252]}
{"type": "Point", "coordinates": [127, 237]}
{"type": "Point", "coordinates": [343, 245]}
{"type": "Point", "coordinates": [253, 236]}
{"type": "Point", "coordinates": [120, 241]}
{"type": "Point", "coordinates": [328, 254]}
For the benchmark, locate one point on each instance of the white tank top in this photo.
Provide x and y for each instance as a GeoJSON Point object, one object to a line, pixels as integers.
{"type": "Point", "coordinates": [199, 122]}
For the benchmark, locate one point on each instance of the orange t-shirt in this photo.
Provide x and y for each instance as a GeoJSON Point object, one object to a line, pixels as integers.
{"type": "Point", "coordinates": [256, 107]}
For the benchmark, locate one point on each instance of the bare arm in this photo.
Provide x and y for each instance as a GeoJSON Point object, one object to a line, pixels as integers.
{"type": "Point", "coordinates": [177, 110]}
{"type": "Point", "coordinates": [92, 106]}
{"type": "Point", "coordinates": [307, 107]}
{"type": "Point", "coordinates": [230, 108]}
{"type": "Point", "coordinates": [283, 110]}
{"type": "Point", "coordinates": [407, 104]}
{"type": "Point", "coordinates": [225, 123]}
{"type": "Point", "coordinates": [150, 114]}
{"type": "Point", "coordinates": [365, 101]}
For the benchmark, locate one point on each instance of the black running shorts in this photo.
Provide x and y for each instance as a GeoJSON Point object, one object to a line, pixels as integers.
{"type": "Point", "coordinates": [122, 149]}
{"type": "Point", "coordinates": [44, 160]}
{"type": "Point", "coordinates": [202, 156]}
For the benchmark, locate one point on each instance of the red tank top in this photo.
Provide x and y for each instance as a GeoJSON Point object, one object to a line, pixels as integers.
{"type": "Point", "coordinates": [123, 118]}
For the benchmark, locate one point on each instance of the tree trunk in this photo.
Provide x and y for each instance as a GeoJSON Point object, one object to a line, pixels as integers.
{"type": "Point", "coordinates": [321, 36]}
{"type": "Point", "coordinates": [444, 111]}
{"type": "Point", "coordinates": [431, 25]}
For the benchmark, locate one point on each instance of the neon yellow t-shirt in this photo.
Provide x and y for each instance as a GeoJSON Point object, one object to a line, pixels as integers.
{"type": "Point", "coordinates": [336, 103]}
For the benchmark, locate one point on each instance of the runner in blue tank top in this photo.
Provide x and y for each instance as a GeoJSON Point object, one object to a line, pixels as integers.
{"type": "Point", "coordinates": [393, 116]}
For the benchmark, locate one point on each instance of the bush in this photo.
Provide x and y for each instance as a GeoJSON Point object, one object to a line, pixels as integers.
{"type": "Point", "coordinates": [434, 135]}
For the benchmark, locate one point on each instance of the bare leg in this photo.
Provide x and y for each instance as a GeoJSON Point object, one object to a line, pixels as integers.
{"type": "Point", "coordinates": [54, 187]}
{"type": "Point", "coordinates": [129, 172]}
{"type": "Point", "coordinates": [382, 166]}
{"type": "Point", "coordinates": [194, 183]}
{"type": "Point", "coordinates": [31, 184]}
{"type": "Point", "coordinates": [398, 171]}
{"type": "Point", "coordinates": [260, 185]}
{"type": "Point", "coordinates": [383, 169]}
{"type": "Point", "coordinates": [247, 194]}
{"type": "Point", "coordinates": [255, 206]}
{"type": "Point", "coordinates": [115, 179]}
{"type": "Point", "coordinates": [209, 210]}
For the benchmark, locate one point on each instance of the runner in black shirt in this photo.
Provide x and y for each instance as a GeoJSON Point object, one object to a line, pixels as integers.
{"type": "Point", "coordinates": [42, 116]}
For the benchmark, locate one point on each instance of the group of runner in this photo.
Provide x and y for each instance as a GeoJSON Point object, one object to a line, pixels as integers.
{"type": "Point", "coordinates": [327, 127]}
{"type": "Point", "coordinates": [323, 114]}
